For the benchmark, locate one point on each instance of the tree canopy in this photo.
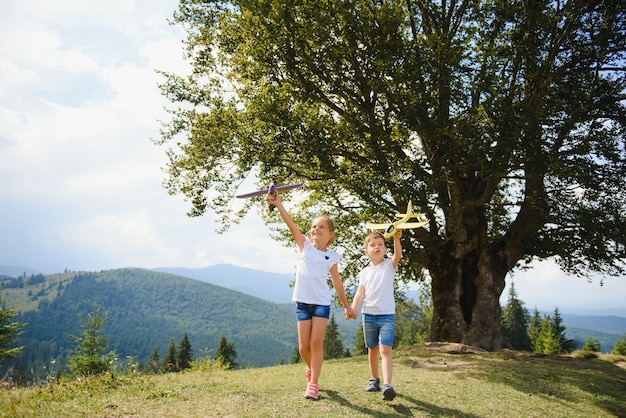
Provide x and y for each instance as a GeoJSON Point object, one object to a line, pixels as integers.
{"type": "Point", "coordinates": [503, 122]}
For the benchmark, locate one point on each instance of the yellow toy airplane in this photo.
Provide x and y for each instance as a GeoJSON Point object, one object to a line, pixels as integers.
{"type": "Point", "coordinates": [390, 228]}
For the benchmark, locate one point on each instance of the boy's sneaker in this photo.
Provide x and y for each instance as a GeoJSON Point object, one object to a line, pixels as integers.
{"type": "Point", "coordinates": [388, 392]}
{"type": "Point", "coordinates": [373, 385]}
{"type": "Point", "coordinates": [312, 391]}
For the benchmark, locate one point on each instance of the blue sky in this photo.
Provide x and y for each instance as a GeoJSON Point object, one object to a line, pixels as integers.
{"type": "Point", "coordinates": [80, 177]}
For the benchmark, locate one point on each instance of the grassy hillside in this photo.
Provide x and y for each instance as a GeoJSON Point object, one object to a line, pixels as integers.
{"type": "Point", "coordinates": [429, 382]}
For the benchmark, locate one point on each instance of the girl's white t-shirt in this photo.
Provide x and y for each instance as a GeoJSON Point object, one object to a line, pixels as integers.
{"type": "Point", "coordinates": [312, 270]}
{"type": "Point", "coordinates": [378, 283]}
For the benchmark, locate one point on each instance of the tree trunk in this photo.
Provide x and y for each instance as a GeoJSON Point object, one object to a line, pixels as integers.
{"type": "Point", "coordinates": [466, 301]}
{"type": "Point", "coordinates": [467, 274]}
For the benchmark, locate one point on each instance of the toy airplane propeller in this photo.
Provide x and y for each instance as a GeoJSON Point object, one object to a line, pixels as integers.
{"type": "Point", "coordinates": [402, 223]}
{"type": "Point", "coordinates": [272, 189]}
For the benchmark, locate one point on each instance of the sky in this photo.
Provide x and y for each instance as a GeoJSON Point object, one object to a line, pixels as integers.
{"type": "Point", "coordinates": [81, 178]}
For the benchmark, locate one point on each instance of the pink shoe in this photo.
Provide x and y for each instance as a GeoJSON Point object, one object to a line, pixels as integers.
{"type": "Point", "coordinates": [312, 391]}
{"type": "Point", "coordinates": [308, 375]}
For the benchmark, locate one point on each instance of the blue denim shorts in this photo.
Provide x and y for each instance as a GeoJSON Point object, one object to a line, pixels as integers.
{"type": "Point", "coordinates": [378, 329]}
{"type": "Point", "coordinates": [306, 311]}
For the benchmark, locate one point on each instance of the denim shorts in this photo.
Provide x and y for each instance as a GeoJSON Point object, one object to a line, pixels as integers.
{"type": "Point", "coordinates": [306, 311]}
{"type": "Point", "coordinates": [378, 329]}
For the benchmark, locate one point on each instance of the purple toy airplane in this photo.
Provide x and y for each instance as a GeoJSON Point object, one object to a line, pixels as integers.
{"type": "Point", "coordinates": [273, 189]}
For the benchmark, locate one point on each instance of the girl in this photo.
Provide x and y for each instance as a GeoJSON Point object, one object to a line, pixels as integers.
{"type": "Point", "coordinates": [311, 292]}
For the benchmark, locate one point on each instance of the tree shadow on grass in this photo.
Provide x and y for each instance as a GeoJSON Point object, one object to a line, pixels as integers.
{"type": "Point", "coordinates": [543, 375]}
{"type": "Point", "coordinates": [398, 409]}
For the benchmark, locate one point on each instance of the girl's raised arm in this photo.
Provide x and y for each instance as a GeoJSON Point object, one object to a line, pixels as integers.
{"type": "Point", "coordinates": [298, 236]}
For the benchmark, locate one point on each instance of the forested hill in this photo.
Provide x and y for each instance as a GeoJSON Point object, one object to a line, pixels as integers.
{"type": "Point", "coordinates": [146, 309]}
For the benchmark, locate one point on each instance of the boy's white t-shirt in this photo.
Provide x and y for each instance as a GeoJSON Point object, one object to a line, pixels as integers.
{"type": "Point", "coordinates": [312, 270]}
{"type": "Point", "coordinates": [378, 283]}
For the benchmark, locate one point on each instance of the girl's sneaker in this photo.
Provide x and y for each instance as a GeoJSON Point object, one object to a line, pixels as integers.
{"type": "Point", "coordinates": [312, 391]}
{"type": "Point", "coordinates": [308, 375]}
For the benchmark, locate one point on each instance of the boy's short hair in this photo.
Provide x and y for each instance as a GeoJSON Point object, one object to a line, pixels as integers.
{"type": "Point", "coordinates": [373, 235]}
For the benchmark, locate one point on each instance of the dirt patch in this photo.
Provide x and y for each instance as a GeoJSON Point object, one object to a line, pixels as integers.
{"type": "Point", "coordinates": [438, 364]}
{"type": "Point", "coordinates": [454, 348]}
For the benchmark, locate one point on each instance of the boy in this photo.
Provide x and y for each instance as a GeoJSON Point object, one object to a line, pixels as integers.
{"type": "Point", "coordinates": [379, 307]}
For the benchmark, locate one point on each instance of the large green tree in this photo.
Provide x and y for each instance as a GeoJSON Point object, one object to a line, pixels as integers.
{"type": "Point", "coordinates": [502, 121]}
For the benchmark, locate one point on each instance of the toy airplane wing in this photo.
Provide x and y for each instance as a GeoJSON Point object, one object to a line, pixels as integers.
{"type": "Point", "coordinates": [410, 215]}
{"type": "Point", "coordinates": [272, 187]}
{"type": "Point", "coordinates": [402, 225]}
{"type": "Point", "coordinates": [411, 225]}
{"type": "Point", "coordinates": [371, 225]}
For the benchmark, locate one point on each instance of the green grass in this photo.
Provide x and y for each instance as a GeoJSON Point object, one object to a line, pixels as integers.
{"type": "Point", "coordinates": [429, 383]}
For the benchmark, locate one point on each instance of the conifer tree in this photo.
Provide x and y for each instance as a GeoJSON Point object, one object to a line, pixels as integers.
{"type": "Point", "coordinates": [359, 344]}
{"type": "Point", "coordinates": [408, 323]}
{"type": "Point", "coordinates": [425, 302]}
{"type": "Point", "coordinates": [295, 356]}
{"type": "Point", "coordinates": [591, 344]}
{"type": "Point", "coordinates": [89, 356]}
{"type": "Point", "coordinates": [534, 328]}
{"type": "Point", "coordinates": [514, 323]}
{"type": "Point", "coordinates": [559, 329]}
{"type": "Point", "coordinates": [9, 333]}
{"type": "Point", "coordinates": [153, 365]}
{"type": "Point", "coordinates": [333, 345]}
{"type": "Point", "coordinates": [225, 353]}
{"type": "Point", "coordinates": [185, 353]}
{"type": "Point", "coordinates": [620, 346]}
{"type": "Point", "coordinates": [547, 342]}
{"type": "Point", "coordinates": [170, 360]}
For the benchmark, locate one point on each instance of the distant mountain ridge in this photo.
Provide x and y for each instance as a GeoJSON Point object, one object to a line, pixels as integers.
{"type": "Point", "coordinates": [146, 309]}
{"type": "Point", "coordinates": [273, 287]}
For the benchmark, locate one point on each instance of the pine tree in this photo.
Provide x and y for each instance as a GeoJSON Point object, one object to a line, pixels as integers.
{"type": "Point", "coordinates": [169, 360]}
{"type": "Point", "coordinates": [559, 329]}
{"type": "Point", "coordinates": [185, 353]}
{"type": "Point", "coordinates": [547, 342]}
{"type": "Point", "coordinates": [89, 356]}
{"type": "Point", "coordinates": [225, 353]}
{"type": "Point", "coordinates": [295, 356]}
{"type": "Point", "coordinates": [153, 365]}
{"type": "Point", "coordinates": [591, 344]}
{"type": "Point", "coordinates": [408, 321]}
{"type": "Point", "coordinates": [514, 323]}
{"type": "Point", "coordinates": [425, 302]}
{"type": "Point", "coordinates": [9, 333]}
{"type": "Point", "coordinates": [333, 345]}
{"type": "Point", "coordinates": [534, 328]}
{"type": "Point", "coordinates": [620, 346]}
{"type": "Point", "coordinates": [359, 344]}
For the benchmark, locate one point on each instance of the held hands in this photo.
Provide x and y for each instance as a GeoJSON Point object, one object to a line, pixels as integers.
{"type": "Point", "coordinates": [349, 313]}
